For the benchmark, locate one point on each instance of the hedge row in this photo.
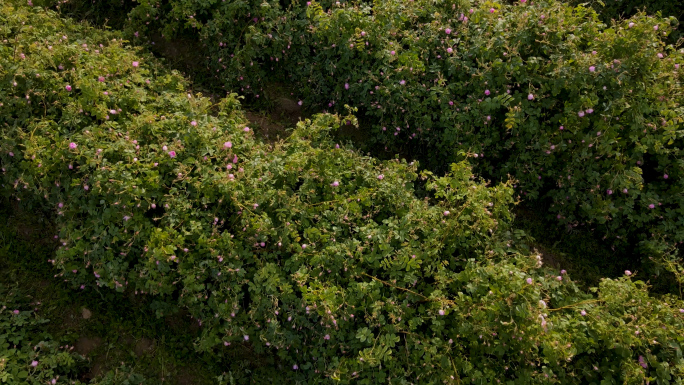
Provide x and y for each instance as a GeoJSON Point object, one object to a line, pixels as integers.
{"type": "Point", "coordinates": [333, 265]}
{"type": "Point", "coordinates": [586, 116]}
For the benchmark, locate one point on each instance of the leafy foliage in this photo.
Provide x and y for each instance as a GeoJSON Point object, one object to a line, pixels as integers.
{"type": "Point", "coordinates": [306, 250]}
{"type": "Point", "coordinates": [28, 355]}
{"type": "Point", "coordinates": [616, 9]}
{"type": "Point", "coordinates": [586, 116]}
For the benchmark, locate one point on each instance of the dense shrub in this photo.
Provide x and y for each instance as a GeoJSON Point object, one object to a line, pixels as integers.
{"type": "Point", "coordinates": [325, 258]}
{"type": "Point", "coordinates": [585, 115]}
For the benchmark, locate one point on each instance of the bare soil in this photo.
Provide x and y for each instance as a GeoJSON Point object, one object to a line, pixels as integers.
{"type": "Point", "coordinates": [86, 345]}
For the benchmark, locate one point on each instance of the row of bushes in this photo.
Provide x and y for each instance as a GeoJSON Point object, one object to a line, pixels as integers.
{"type": "Point", "coordinates": [337, 266]}
{"type": "Point", "coordinates": [586, 116]}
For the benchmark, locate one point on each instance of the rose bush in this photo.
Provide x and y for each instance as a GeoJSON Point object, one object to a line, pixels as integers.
{"type": "Point", "coordinates": [581, 114]}
{"type": "Point", "coordinates": [336, 266]}
{"type": "Point", "coordinates": [586, 116]}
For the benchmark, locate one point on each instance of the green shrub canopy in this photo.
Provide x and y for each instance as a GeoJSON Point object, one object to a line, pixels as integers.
{"type": "Point", "coordinates": [586, 116]}
{"type": "Point", "coordinates": [341, 267]}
